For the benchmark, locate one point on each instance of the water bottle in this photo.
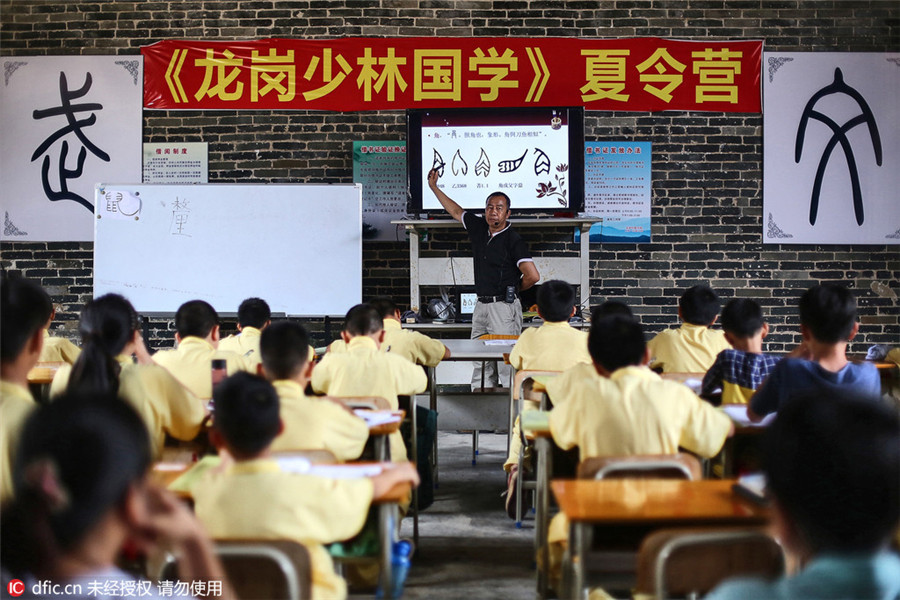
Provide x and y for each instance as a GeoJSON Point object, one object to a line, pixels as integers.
{"type": "Point", "coordinates": [400, 561]}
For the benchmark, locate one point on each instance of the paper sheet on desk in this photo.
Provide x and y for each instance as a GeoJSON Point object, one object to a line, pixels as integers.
{"type": "Point", "coordinates": [373, 418]}
{"type": "Point", "coordinates": [738, 414]}
{"type": "Point", "coordinates": [694, 384]}
{"type": "Point", "coordinates": [345, 471]}
{"type": "Point", "coordinates": [294, 464]}
{"type": "Point", "coordinates": [499, 342]}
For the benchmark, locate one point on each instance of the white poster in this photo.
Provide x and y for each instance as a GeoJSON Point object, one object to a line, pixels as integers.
{"type": "Point", "coordinates": [66, 124]}
{"type": "Point", "coordinates": [176, 162]}
{"type": "Point", "coordinates": [831, 148]}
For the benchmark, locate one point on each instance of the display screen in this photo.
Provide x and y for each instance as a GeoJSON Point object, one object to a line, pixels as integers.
{"type": "Point", "coordinates": [467, 301]}
{"type": "Point", "coordinates": [533, 155]}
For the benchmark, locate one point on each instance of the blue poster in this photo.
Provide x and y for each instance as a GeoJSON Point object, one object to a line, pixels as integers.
{"type": "Point", "coordinates": [617, 181]}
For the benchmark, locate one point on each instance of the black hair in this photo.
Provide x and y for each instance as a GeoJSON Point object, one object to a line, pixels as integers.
{"type": "Point", "coordinates": [610, 308]}
{"type": "Point", "coordinates": [832, 461]}
{"type": "Point", "coordinates": [24, 309]}
{"type": "Point", "coordinates": [246, 413]}
{"type": "Point", "coordinates": [195, 318]}
{"type": "Point", "coordinates": [829, 312]}
{"type": "Point", "coordinates": [362, 319]}
{"type": "Point", "coordinates": [284, 347]}
{"type": "Point", "coordinates": [555, 300]}
{"type": "Point", "coordinates": [742, 317]}
{"type": "Point", "coordinates": [699, 305]}
{"type": "Point", "coordinates": [107, 324]}
{"type": "Point", "coordinates": [616, 341]}
{"type": "Point", "coordinates": [254, 312]}
{"type": "Point", "coordinates": [384, 306]}
{"type": "Point", "coordinates": [502, 195]}
{"type": "Point", "coordinates": [76, 460]}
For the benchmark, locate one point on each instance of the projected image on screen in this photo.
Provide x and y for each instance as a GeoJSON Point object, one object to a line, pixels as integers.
{"type": "Point", "coordinates": [524, 153]}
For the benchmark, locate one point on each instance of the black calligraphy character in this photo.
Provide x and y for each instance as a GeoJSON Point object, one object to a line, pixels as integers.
{"type": "Point", "coordinates": [839, 136]}
{"type": "Point", "coordinates": [75, 126]}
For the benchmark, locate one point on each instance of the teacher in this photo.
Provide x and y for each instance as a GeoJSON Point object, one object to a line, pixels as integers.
{"type": "Point", "coordinates": [503, 267]}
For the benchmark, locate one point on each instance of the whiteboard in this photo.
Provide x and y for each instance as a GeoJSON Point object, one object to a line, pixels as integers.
{"type": "Point", "coordinates": [299, 247]}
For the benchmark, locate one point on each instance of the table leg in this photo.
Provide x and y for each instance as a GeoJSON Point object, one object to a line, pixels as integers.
{"type": "Point", "coordinates": [577, 542]}
{"type": "Point", "coordinates": [542, 447]}
{"type": "Point", "coordinates": [414, 442]}
{"type": "Point", "coordinates": [432, 382]}
{"type": "Point", "coordinates": [387, 517]}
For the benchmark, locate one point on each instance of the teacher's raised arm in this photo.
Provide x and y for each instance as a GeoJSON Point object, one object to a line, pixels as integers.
{"type": "Point", "coordinates": [454, 209]}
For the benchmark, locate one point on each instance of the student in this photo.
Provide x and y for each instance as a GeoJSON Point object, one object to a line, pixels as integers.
{"type": "Point", "coordinates": [310, 422]}
{"type": "Point", "coordinates": [624, 408]}
{"type": "Point", "coordinates": [82, 493]}
{"type": "Point", "coordinates": [57, 349]}
{"type": "Point", "coordinates": [740, 370]}
{"type": "Point", "coordinates": [253, 498]}
{"type": "Point", "coordinates": [364, 371]}
{"type": "Point", "coordinates": [693, 347]}
{"type": "Point", "coordinates": [827, 323]}
{"type": "Point", "coordinates": [411, 345]}
{"type": "Point", "coordinates": [254, 316]}
{"type": "Point", "coordinates": [554, 346]}
{"type": "Point", "coordinates": [197, 334]}
{"type": "Point", "coordinates": [832, 465]}
{"type": "Point", "coordinates": [24, 309]}
{"type": "Point", "coordinates": [109, 328]}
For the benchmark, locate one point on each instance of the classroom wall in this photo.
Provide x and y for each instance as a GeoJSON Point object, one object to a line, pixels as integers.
{"type": "Point", "coordinates": [707, 168]}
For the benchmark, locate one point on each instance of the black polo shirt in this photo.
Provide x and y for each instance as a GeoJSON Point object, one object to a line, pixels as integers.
{"type": "Point", "coordinates": [497, 257]}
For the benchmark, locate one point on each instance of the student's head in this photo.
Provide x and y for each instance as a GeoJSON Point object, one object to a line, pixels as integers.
{"type": "Point", "coordinates": [385, 307]}
{"type": "Point", "coordinates": [284, 347]}
{"type": "Point", "coordinates": [107, 325]}
{"type": "Point", "coordinates": [611, 308]}
{"type": "Point", "coordinates": [496, 210]}
{"type": "Point", "coordinates": [24, 309]}
{"type": "Point", "coordinates": [556, 301]}
{"type": "Point", "coordinates": [246, 415]}
{"type": "Point", "coordinates": [742, 318]}
{"type": "Point", "coordinates": [361, 320]}
{"type": "Point", "coordinates": [832, 463]}
{"type": "Point", "coordinates": [254, 312]}
{"type": "Point", "coordinates": [615, 342]}
{"type": "Point", "coordinates": [699, 305]}
{"type": "Point", "coordinates": [80, 460]}
{"type": "Point", "coordinates": [828, 313]}
{"type": "Point", "coordinates": [196, 318]}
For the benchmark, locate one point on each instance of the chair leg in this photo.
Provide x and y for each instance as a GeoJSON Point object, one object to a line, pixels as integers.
{"type": "Point", "coordinates": [474, 445]}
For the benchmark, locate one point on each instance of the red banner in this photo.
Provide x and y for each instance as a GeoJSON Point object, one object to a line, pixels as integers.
{"type": "Point", "coordinates": [354, 74]}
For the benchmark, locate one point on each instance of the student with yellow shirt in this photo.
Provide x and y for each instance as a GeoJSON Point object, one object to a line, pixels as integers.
{"type": "Point", "coordinates": [254, 315]}
{"type": "Point", "coordinates": [109, 328]}
{"type": "Point", "coordinates": [254, 498]}
{"type": "Point", "coordinates": [197, 335]}
{"type": "Point", "coordinates": [739, 370]}
{"type": "Point", "coordinates": [310, 422]}
{"type": "Point", "coordinates": [24, 309]}
{"type": "Point", "coordinates": [624, 408]}
{"type": "Point", "coordinates": [693, 347]}
{"type": "Point", "coordinates": [554, 346]}
{"type": "Point", "coordinates": [365, 371]}
{"type": "Point", "coordinates": [57, 349]}
{"type": "Point", "coordinates": [411, 345]}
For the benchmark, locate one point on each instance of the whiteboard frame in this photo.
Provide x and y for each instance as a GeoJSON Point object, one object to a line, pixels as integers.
{"type": "Point", "coordinates": [322, 223]}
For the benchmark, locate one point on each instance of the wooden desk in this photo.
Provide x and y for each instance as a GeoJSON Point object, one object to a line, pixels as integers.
{"type": "Point", "coordinates": [643, 504]}
{"type": "Point", "coordinates": [40, 377]}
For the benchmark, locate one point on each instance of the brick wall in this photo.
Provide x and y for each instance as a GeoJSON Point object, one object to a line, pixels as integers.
{"type": "Point", "coordinates": [707, 168]}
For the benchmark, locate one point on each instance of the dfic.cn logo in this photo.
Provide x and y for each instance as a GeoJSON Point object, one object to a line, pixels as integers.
{"type": "Point", "coordinates": [16, 587]}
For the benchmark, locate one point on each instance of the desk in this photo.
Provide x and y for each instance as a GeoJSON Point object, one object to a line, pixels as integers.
{"type": "Point", "coordinates": [465, 350]}
{"type": "Point", "coordinates": [40, 377]}
{"type": "Point", "coordinates": [644, 504]}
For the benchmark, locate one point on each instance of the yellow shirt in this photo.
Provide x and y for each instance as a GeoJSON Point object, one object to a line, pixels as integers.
{"type": "Point", "coordinates": [191, 364]}
{"type": "Point", "coordinates": [312, 423]}
{"type": "Point", "coordinates": [634, 411]}
{"type": "Point", "coordinates": [413, 346]}
{"type": "Point", "coordinates": [245, 343]}
{"type": "Point", "coordinates": [364, 371]}
{"type": "Point", "coordinates": [164, 404]}
{"type": "Point", "coordinates": [688, 349]}
{"type": "Point", "coordinates": [256, 499]}
{"type": "Point", "coordinates": [550, 347]}
{"type": "Point", "coordinates": [58, 349]}
{"type": "Point", "coordinates": [16, 403]}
